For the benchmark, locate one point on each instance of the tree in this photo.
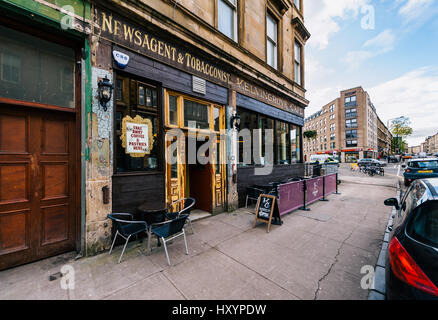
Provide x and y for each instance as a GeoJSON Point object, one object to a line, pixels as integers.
{"type": "Point", "coordinates": [400, 128]}
{"type": "Point", "coordinates": [312, 134]}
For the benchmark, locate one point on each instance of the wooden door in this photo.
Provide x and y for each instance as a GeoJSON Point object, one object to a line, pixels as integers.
{"type": "Point", "coordinates": [37, 185]}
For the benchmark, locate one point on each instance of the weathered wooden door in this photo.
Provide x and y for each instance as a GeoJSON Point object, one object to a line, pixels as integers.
{"type": "Point", "coordinates": [37, 184]}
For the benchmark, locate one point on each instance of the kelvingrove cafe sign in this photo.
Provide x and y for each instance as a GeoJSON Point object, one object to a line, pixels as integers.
{"type": "Point", "coordinates": [116, 30]}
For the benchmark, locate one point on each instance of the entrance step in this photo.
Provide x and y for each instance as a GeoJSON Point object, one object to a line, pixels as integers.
{"type": "Point", "coordinates": [199, 214]}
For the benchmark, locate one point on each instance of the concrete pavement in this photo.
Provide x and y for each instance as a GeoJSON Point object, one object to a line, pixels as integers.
{"type": "Point", "coordinates": [314, 255]}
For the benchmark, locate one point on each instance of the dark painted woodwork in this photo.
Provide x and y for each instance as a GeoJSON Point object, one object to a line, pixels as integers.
{"type": "Point", "coordinates": [170, 78]}
{"type": "Point", "coordinates": [246, 177]}
{"type": "Point", "coordinates": [260, 107]}
{"type": "Point", "coordinates": [132, 190]}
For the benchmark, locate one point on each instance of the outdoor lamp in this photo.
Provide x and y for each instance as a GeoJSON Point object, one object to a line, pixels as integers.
{"type": "Point", "coordinates": [235, 122]}
{"type": "Point", "coordinates": [105, 92]}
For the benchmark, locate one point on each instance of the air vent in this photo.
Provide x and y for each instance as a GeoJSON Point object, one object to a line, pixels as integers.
{"type": "Point", "coordinates": [199, 85]}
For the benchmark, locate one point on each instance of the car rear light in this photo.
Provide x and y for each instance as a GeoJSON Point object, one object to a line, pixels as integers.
{"type": "Point", "coordinates": [408, 170]}
{"type": "Point", "coordinates": [407, 270]}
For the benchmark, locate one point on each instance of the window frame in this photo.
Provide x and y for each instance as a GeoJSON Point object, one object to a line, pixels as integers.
{"type": "Point", "coordinates": [235, 8]}
{"type": "Point", "coordinates": [130, 103]}
{"type": "Point", "coordinates": [301, 62]}
{"type": "Point", "coordinates": [276, 20]}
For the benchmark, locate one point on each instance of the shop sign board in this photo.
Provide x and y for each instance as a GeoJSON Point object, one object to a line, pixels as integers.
{"type": "Point", "coordinates": [131, 36]}
{"type": "Point", "coordinates": [137, 138]}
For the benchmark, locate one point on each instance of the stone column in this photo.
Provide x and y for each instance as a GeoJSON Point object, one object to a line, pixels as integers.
{"type": "Point", "coordinates": [100, 163]}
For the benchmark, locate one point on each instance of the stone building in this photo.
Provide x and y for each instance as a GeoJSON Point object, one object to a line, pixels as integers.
{"type": "Point", "coordinates": [347, 127]}
{"type": "Point", "coordinates": [128, 74]}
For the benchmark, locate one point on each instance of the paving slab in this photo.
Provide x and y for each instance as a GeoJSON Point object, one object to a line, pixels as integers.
{"type": "Point", "coordinates": [219, 277]}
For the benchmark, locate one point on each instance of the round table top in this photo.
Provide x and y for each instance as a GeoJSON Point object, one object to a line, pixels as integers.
{"type": "Point", "coordinates": [151, 208]}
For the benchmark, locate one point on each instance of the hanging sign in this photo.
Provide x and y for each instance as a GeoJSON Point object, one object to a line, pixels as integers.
{"type": "Point", "coordinates": [267, 211]}
{"type": "Point", "coordinates": [137, 138]}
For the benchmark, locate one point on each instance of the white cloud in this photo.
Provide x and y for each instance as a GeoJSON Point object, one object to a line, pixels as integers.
{"type": "Point", "coordinates": [414, 9]}
{"type": "Point", "coordinates": [414, 95]}
{"type": "Point", "coordinates": [382, 43]}
{"type": "Point", "coordinates": [322, 17]}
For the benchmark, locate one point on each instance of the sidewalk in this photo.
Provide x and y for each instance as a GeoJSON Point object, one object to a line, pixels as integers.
{"type": "Point", "coordinates": [314, 255]}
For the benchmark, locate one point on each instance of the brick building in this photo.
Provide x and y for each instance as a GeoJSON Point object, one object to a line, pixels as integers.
{"type": "Point", "coordinates": [348, 127]}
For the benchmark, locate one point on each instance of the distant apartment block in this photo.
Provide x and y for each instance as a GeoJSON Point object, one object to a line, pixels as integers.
{"type": "Point", "coordinates": [348, 127]}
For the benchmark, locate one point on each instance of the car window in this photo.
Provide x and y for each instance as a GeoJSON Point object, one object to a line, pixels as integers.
{"type": "Point", "coordinates": [408, 202]}
{"type": "Point", "coordinates": [427, 164]}
{"type": "Point", "coordinates": [423, 227]}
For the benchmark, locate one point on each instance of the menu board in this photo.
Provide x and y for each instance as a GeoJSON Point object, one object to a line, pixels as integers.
{"type": "Point", "coordinates": [267, 211]}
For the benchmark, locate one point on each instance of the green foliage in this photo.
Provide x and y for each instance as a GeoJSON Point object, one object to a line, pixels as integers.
{"type": "Point", "coordinates": [401, 127]}
{"type": "Point", "coordinates": [312, 134]}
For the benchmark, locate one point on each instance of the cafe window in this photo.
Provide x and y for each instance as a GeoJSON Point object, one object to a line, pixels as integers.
{"type": "Point", "coordinates": [286, 140]}
{"type": "Point", "coordinates": [136, 98]}
{"type": "Point", "coordinates": [283, 145]}
{"type": "Point", "coordinates": [35, 70]}
{"type": "Point", "coordinates": [195, 115]}
{"type": "Point", "coordinates": [185, 112]}
{"type": "Point", "coordinates": [295, 137]}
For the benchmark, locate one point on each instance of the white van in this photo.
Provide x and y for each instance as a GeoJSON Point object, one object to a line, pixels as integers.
{"type": "Point", "coordinates": [323, 158]}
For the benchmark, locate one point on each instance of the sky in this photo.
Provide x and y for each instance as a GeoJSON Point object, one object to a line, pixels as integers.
{"type": "Point", "coordinates": [389, 47]}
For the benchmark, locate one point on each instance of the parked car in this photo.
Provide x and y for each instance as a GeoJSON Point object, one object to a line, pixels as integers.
{"type": "Point", "coordinates": [407, 156]}
{"type": "Point", "coordinates": [420, 168]}
{"type": "Point", "coordinates": [435, 154]}
{"type": "Point", "coordinates": [412, 259]}
{"type": "Point", "coordinates": [393, 159]}
{"type": "Point", "coordinates": [370, 162]}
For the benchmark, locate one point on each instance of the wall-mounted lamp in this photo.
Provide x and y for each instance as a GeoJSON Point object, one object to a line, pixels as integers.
{"type": "Point", "coordinates": [105, 92]}
{"type": "Point", "coordinates": [235, 121]}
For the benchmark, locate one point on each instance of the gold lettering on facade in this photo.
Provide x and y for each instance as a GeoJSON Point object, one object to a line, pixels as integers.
{"type": "Point", "coordinates": [107, 22]}
{"type": "Point", "coordinates": [128, 32]}
{"type": "Point", "coordinates": [146, 42]}
{"type": "Point", "coordinates": [117, 25]}
{"type": "Point", "coordinates": [154, 45]}
{"type": "Point", "coordinates": [137, 40]}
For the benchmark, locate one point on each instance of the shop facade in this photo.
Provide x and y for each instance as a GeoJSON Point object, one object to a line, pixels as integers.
{"type": "Point", "coordinates": [41, 105]}
{"type": "Point", "coordinates": [121, 111]}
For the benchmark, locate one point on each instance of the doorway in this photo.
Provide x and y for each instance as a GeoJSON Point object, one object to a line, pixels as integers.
{"type": "Point", "coordinates": [195, 158]}
{"type": "Point", "coordinates": [37, 184]}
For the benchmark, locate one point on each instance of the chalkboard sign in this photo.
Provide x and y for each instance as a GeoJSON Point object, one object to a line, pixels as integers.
{"type": "Point", "coordinates": [267, 211]}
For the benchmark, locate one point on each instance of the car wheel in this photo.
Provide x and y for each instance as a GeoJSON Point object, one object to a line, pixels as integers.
{"type": "Point", "coordinates": [406, 183]}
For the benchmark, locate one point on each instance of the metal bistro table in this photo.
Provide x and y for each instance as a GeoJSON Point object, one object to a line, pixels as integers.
{"type": "Point", "coordinates": [152, 213]}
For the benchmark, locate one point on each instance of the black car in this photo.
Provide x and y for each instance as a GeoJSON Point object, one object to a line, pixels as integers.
{"type": "Point", "coordinates": [412, 260]}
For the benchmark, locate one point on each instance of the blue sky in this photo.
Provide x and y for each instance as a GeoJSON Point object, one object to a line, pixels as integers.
{"type": "Point", "coordinates": [389, 47]}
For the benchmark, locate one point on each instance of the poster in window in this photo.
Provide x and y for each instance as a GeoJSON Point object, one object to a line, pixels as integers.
{"type": "Point", "coordinates": [137, 137]}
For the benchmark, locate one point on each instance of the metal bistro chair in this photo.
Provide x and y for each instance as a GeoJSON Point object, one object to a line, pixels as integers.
{"type": "Point", "coordinates": [168, 231]}
{"type": "Point", "coordinates": [126, 228]}
{"type": "Point", "coordinates": [187, 205]}
{"type": "Point", "coordinates": [253, 193]}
